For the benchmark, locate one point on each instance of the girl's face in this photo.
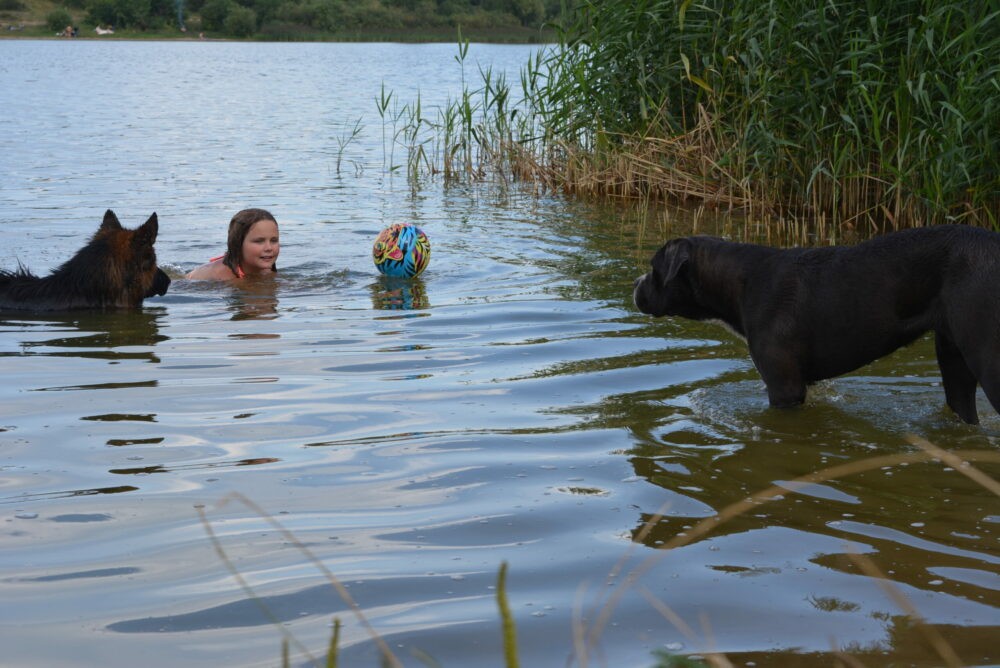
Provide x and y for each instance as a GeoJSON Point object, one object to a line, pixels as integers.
{"type": "Point", "coordinates": [260, 247]}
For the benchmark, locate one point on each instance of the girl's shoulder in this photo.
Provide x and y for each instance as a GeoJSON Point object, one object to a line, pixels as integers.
{"type": "Point", "coordinates": [215, 270]}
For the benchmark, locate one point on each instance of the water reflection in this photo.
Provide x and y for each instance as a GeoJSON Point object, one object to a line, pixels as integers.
{"type": "Point", "coordinates": [118, 442]}
{"type": "Point", "coordinates": [162, 468]}
{"type": "Point", "coordinates": [98, 386]}
{"type": "Point", "coordinates": [95, 573]}
{"type": "Point", "coordinates": [116, 489]}
{"type": "Point", "coordinates": [88, 334]}
{"type": "Point", "coordinates": [316, 600]}
{"type": "Point", "coordinates": [399, 294]}
{"type": "Point", "coordinates": [830, 526]}
{"type": "Point", "coordinates": [121, 417]}
{"type": "Point", "coordinates": [254, 299]}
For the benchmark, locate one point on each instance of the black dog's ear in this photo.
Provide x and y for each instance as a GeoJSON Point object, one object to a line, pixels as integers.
{"type": "Point", "coordinates": [675, 254]}
{"type": "Point", "coordinates": [110, 221]}
{"type": "Point", "coordinates": [146, 234]}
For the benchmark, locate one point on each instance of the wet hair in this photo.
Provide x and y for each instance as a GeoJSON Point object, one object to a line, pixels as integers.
{"type": "Point", "coordinates": [239, 227]}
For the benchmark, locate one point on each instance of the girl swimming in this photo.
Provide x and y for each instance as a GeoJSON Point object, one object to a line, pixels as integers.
{"type": "Point", "coordinates": [252, 249]}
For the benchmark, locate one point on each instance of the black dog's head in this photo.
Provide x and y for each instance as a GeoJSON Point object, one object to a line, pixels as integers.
{"type": "Point", "coordinates": [666, 288]}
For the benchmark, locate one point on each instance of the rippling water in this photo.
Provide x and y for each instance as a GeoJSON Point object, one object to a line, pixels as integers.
{"type": "Point", "coordinates": [508, 405]}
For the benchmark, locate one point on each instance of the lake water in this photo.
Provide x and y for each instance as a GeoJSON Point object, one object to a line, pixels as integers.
{"type": "Point", "coordinates": [510, 405]}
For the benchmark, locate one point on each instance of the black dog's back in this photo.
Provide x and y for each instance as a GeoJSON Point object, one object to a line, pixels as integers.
{"type": "Point", "coordinates": [856, 304]}
{"type": "Point", "coordinates": [116, 269]}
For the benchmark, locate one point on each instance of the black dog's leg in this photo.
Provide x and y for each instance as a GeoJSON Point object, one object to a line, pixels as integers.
{"type": "Point", "coordinates": [991, 386]}
{"type": "Point", "coordinates": [783, 377]}
{"type": "Point", "coordinates": [959, 381]}
{"type": "Point", "coordinates": [988, 374]}
{"type": "Point", "coordinates": [987, 368]}
{"type": "Point", "coordinates": [785, 394]}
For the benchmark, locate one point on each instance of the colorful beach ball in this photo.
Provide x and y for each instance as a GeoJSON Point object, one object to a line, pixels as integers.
{"type": "Point", "coordinates": [401, 250]}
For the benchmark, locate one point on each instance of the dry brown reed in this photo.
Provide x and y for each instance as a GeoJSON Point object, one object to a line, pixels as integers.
{"type": "Point", "coordinates": [586, 637]}
{"type": "Point", "coordinates": [388, 658]}
{"type": "Point", "coordinates": [958, 460]}
{"type": "Point", "coordinates": [933, 636]}
{"type": "Point", "coordinates": [684, 168]}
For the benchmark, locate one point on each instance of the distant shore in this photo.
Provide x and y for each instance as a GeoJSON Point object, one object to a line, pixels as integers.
{"type": "Point", "coordinates": [332, 39]}
{"type": "Point", "coordinates": [9, 30]}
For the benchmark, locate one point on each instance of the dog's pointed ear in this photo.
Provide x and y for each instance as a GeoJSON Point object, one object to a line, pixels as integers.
{"type": "Point", "coordinates": [675, 254]}
{"type": "Point", "coordinates": [110, 221]}
{"type": "Point", "coordinates": [146, 234]}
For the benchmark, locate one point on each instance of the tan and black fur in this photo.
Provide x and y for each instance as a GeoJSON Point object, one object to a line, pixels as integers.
{"type": "Point", "coordinates": [116, 269]}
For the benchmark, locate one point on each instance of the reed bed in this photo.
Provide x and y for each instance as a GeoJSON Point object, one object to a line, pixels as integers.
{"type": "Point", "coordinates": [866, 115]}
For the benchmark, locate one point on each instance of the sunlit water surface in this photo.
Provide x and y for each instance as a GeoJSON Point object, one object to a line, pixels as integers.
{"type": "Point", "coordinates": [510, 405]}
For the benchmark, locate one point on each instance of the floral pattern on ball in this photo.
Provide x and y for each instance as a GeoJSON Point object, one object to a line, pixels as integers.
{"type": "Point", "coordinates": [401, 250]}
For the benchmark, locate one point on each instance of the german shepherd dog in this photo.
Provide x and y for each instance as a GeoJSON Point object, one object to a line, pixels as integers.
{"type": "Point", "coordinates": [116, 269]}
{"type": "Point", "coordinates": [814, 313]}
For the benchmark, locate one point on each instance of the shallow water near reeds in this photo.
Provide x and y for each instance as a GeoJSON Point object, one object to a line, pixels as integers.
{"type": "Point", "coordinates": [509, 405]}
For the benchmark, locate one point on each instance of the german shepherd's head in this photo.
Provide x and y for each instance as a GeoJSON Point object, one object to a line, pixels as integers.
{"type": "Point", "coordinates": [128, 261]}
{"type": "Point", "coordinates": [116, 269]}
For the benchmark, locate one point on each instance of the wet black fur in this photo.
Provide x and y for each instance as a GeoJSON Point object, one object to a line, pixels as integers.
{"type": "Point", "coordinates": [810, 314]}
{"type": "Point", "coordinates": [116, 269]}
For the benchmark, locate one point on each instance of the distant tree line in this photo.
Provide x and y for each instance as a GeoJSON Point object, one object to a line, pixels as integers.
{"type": "Point", "coordinates": [243, 18]}
{"type": "Point", "coordinates": [141, 14]}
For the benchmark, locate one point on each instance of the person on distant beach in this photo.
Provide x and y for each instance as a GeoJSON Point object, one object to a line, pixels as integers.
{"type": "Point", "coordinates": [252, 249]}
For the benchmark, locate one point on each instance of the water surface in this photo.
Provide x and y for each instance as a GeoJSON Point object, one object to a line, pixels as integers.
{"type": "Point", "coordinates": [510, 405]}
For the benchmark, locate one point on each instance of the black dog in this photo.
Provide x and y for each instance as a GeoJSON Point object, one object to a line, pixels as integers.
{"type": "Point", "coordinates": [116, 269]}
{"type": "Point", "coordinates": [810, 314]}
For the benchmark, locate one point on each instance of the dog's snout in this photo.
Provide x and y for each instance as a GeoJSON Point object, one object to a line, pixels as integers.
{"type": "Point", "coordinates": [161, 282]}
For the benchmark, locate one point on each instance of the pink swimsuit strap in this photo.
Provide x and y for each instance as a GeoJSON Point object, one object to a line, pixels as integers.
{"type": "Point", "coordinates": [239, 270]}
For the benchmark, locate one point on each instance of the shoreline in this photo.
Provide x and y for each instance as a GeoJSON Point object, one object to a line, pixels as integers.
{"type": "Point", "coordinates": [373, 39]}
{"type": "Point", "coordinates": [452, 35]}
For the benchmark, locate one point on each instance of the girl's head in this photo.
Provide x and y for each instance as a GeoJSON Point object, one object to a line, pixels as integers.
{"type": "Point", "coordinates": [253, 243]}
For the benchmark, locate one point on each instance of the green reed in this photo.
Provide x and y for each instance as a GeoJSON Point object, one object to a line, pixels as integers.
{"type": "Point", "coordinates": [382, 104]}
{"type": "Point", "coordinates": [344, 139]}
{"type": "Point", "coordinates": [507, 620]}
{"type": "Point", "coordinates": [858, 114]}
{"type": "Point", "coordinates": [862, 111]}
